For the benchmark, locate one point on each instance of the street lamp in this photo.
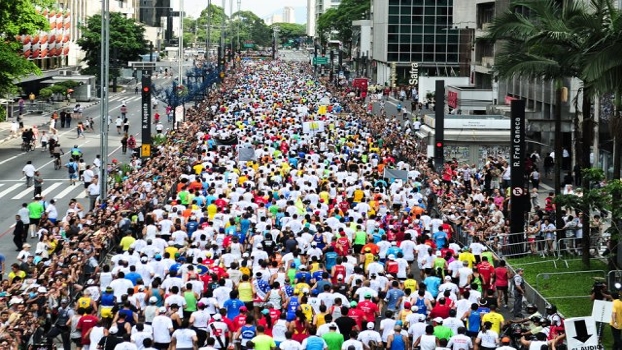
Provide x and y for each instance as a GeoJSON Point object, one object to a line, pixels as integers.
{"type": "Point", "coordinates": [103, 107]}
{"type": "Point", "coordinates": [239, 5]}
{"type": "Point", "coordinates": [158, 39]}
{"type": "Point", "coordinates": [208, 30]}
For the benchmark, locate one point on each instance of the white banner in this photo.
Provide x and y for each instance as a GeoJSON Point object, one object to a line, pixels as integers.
{"type": "Point", "coordinates": [312, 127]}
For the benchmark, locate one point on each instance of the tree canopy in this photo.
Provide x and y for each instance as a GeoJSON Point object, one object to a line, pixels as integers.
{"type": "Point", "coordinates": [339, 20]}
{"type": "Point", "coordinates": [290, 32]}
{"type": "Point", "coordinates": [127, 42]}
{"type": "Point", "coordinates": [18, 17]}
{"type": "Point", "coordinates": [251, 28]}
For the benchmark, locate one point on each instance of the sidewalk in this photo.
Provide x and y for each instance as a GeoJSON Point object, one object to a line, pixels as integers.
{"type": "Point", "coordinates": [41, 120]}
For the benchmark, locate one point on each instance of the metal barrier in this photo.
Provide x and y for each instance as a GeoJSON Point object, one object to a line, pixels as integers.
{"type": "Point", "coordinates": [613, 277]}
{"type": "Point", "coordinates": [547, 275]}
{"type": "Point", "coordinates": [503, 247]}
{"type": "Point", "coordinates": [567, 247]}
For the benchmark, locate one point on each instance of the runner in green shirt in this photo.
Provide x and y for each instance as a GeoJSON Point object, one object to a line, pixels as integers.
{"type": "Point", "coordinates": [263, 341]}
{"type": "Point", "coordinates": [440, 331]}
{"type": "Point", "coordinates": [333, 339]}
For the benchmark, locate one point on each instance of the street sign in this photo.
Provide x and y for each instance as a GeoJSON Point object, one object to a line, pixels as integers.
{"type": "Point", "coordinates": [601, 311]}
{"type": "Point", "coordinates": [518, 191]}
{"type": "Point", "coordinates": [145, 150]}
{"type": "Point", "coordinates": [320, 60]}
{"type": "Point", "coordinates": [581, 333]}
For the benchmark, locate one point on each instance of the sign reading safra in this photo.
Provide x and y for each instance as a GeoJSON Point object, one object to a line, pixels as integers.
{"type": "Point", "coordinates": [581, 333]}
{"type": "Point", "coordinates": [414, 74]}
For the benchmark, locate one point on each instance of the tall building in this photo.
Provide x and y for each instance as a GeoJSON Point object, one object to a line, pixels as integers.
{"type": "Point", "coordinates": [274, 18]}
{"type": "Point", "coordinates": [417, 31]}
{"type": "Point", "coordinates": [152, 12]}
{"type": "Point", "coordinates": [315, 8]}
{"type": "Point", "coordinates": [311, 17]}
{"type": "Point", "coordinates": [289, 15]}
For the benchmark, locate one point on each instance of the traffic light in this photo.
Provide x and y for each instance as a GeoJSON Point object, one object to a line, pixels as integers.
{"type": "Point", "coordinates": [146, 93]}
{"type": "Point", "coordinates": [438, 148]}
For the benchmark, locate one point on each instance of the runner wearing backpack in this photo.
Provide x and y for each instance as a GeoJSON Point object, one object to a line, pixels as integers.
{"type": "Point", "coordinates": [72, 171]}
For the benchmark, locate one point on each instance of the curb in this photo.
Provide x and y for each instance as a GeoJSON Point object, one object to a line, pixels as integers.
{"type": "Point", "coordinates": [11, 137]}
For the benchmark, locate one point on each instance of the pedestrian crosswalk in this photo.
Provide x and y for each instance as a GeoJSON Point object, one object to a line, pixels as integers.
{"type": "Point", "coordinates": [124, 98]}
{"type": "Point", "coordinates": [53, 188]}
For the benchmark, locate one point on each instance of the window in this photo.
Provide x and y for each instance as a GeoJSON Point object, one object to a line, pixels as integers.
{"type": "Point", "coordinates": [428, 56]}
{"type": "Point", "coordinates": [405, 29]}
{"type": "Point", "coordinates": [392, 56]}
{"type": "Point", "coordinates": [394, 19]}
{"type": "Point", "coordinates": [405, 19]}
{"type": "Point", "coordinates": [404, 56]}
{"type": "Point", "coordinates": [392, 38]}
{"type": "Point", "coordinates": [405, 47]}
{"type": "Point", "coordinates": [392, 29]}
{"type": "Point", "coordinates": [392, 47]}
{"type": "Point", "coordinates": [394, 10]}
{"type": "Point", "coordinates": [441, 57]}
{"type": "Point", "coordinates": [405, 38]}
{"type": "Point", "coordinates": [430, 20]}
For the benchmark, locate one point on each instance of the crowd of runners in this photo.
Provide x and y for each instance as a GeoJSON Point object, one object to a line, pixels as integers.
{"type": "Point", "coordinates": [301, 243]}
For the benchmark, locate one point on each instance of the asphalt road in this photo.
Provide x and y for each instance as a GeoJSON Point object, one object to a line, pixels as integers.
{"type": "Point", "coordinates": [13, 191]}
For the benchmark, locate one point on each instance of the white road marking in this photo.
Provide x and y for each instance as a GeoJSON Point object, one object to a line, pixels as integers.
{"type": "Point", "coordinates": [10, 189]}
{"type": "Point", "coordinates": [66, 191]}
{"type": "Point", "coordinates": [24, 193]}
{"type": "Point", "coordinates": [51, 188]}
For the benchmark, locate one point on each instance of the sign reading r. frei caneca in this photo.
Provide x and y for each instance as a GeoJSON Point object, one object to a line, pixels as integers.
{"type": "Point", "coordinates": [581, 333]}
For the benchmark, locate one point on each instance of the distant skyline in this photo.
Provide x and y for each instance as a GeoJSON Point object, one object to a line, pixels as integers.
{"type": "Point", "coordinates": [262, 8]}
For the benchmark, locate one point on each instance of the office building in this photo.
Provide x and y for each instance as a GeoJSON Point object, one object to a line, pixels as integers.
{"type": "Point", "coordinates": [289, 15]}
{"type": "Point", "coordinates": [311, 18]}
{"type": "Point", "coordinates": [415, 31]}
{"type": "Point", "coordinates": [315, 8]}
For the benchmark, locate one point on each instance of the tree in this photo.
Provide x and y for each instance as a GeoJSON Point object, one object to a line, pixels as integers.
{"type": "Point", "coordinates": [18, 17]}
{"type": "Point", "coordinates": [547, 40]}
{"type": "Point", "coordinates": [214, 16]}
{"type": "Point", "coordinates": [340, 20]}
{"type": "Point", "coordinates": [127, 43]}
{"type": "Point", "coordinates": [603, 66]}
{"type": "Point", "coordinates": [290, 32]}
{"type": "Point", "coordinates": [252, 28]}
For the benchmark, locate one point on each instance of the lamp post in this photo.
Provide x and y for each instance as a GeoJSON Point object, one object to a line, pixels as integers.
{"type": "Point", "coordinates": [222, 38]}
{"type": "Point", "coordinates": [209, 32]}
{"type": "Point", "coordinates": [239, 5]}
{"type": "Point", "coordinates": [158, 40]}
{"type": "Point", "coordinates": [103, 107]}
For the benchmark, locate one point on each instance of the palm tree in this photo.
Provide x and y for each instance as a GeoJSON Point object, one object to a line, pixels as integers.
{"type": "Point", "coordinates": [603, 67]}
{"type": "Point", "coordinates": [548, 40]}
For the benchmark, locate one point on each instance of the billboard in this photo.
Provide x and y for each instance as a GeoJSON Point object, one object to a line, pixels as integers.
{"type": "Point", "coordinates": [51, 43]}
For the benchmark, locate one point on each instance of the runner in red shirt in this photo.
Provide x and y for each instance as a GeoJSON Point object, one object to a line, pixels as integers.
{"type": "Point", "coordinates": [85, 324]}
{"type": "Point", "coordinates": [486, 270]}
{"type": "Point", "coordinates": [342, 247]}
{"type": "Point", "coordinates": [240, 320]}
{"type": "Point", "coordinates": [370, 309]}
{"type": "Point", "coordinates": [338, 270]}
{"type": "Point", "coordinates": [501, 282]}
{"type": "Point", "coordinates": [356, 314]}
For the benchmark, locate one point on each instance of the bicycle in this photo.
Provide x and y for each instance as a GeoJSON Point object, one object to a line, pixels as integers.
{"type": "Point", "coordinates": [28, 146]}
{"type": "Point", "coordinates": [57, 163]}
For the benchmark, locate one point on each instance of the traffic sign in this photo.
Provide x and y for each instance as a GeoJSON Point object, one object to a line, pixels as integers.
{"type": "Point", "coordinates": [320, 60]}
{"type": "Point", "coordinates": [145, 150]}
{"type": "Point", "coordinates": [517, 191]}
{"type": "Point", "coordinates": [581, 333]}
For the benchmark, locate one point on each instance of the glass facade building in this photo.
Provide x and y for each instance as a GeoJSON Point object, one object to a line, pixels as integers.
{"type": "Point", "coordinates": [422, 31]}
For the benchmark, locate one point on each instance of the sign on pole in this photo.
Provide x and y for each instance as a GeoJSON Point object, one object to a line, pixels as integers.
{"type": "Point", "coordinates": [601, 311]}
{"type": "Point", "coordinates": [517, 171]}
{"type": "Point", "coordinates": [145, 119]}
{"type": "Point", "coordinates": [320, 60]}
{"type": "Point", "coordinates": [581, 333]}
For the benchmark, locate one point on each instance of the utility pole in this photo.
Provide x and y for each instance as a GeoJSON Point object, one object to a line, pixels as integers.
{"type": "Point", "coordinates": [239, 48]}
{"type": "Point", "coordinates": [209, 32]}
{"type": "Point", "coordinates": [222, 35]}
{"type": "Point", "coordinates": [103, 107]}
